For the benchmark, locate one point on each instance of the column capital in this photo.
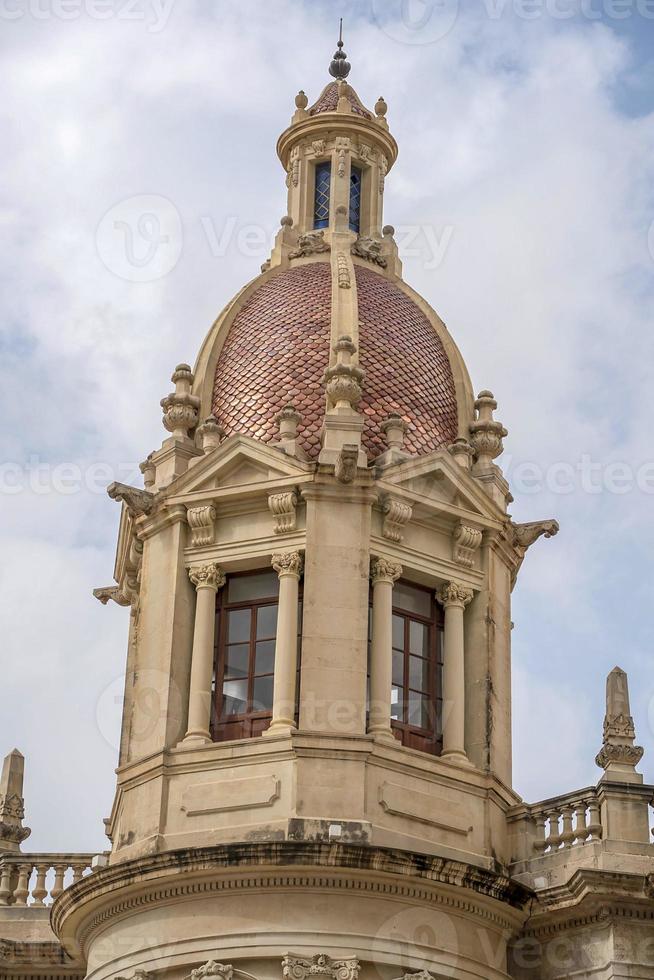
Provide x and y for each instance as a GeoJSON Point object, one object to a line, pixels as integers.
{"type": "Point", "coordinates": [209, 576]}
{"type": "Point", "coordinates": [288, 563]}
{"type": "Point", "coordinates": [385, 570]}
{"type": "Point", "coordinates": [454, 594]}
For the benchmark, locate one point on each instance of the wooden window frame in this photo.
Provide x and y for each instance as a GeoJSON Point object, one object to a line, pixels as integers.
{"type": "Point", "coordinates": [252, 723]}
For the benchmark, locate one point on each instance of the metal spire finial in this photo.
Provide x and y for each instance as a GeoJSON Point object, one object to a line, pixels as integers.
{"type": "Point", "coordinates": [340, 66]}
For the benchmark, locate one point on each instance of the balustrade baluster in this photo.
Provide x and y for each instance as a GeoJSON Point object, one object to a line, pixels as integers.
{"type": "Point", "coordinates": [595, 820]}
{"type": "Point", "coordinates": [58, 887]}
{"type": "Point", "coordinates": [5, 883]}
{"type": "Point", "coordinates": [23, 887]}
{"type": "Point", "coordinates": [567, 833]}
{"type": "Point", "coordinates": [540, 843]}
{"type": "Point", "coordinates": [554, 839]}
{"type": "Point", "coordinates": [40, 891]}
{"type": "Point", "coordinates": [581, 829]}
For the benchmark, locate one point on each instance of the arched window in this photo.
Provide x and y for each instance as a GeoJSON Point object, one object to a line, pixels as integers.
{"type": "Point", "coordinates": [246, 630]}
{"type": "Point", "coordinates": [416, 695]}
{"type": "Point", "coordinates": [355, 200]}
{"type": "Point", "coordinates": [323, 190]}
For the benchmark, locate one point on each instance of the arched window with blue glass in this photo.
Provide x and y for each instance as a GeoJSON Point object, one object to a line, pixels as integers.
{"type": "Point", "coordinates": [323, 190]}
{"type": "Point", "coordinates": [355, 200]}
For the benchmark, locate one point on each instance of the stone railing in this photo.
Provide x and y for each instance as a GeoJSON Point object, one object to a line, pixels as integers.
{"type": "Point", "coordinates": [544, 829]}
{"type": "Point", "coordinates": [36, 880]}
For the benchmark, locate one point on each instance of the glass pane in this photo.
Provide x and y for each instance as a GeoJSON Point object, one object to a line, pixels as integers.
{"type": "Point", "coordinates": [239, 623]}
{"type": "Point", "coordinates": [235, 698]}
{"type": "Point", "coordinates": [355, 199]}
{"type": "Point", "coordinates": [398, 632]}
{"type": "Point", "coordinates": [418, 710]}
{"type": "Point", "coordinates": [249, 588]}
{"type": "Point", "coordinates": [419, 674]}
{"type": "Point", "coordinates": [419, 639]}
{"type": "Point", "coordinates": [397, 707]}
{"type": "Point", "coordinates": [265, 657]}
{"type": "Point", "coordinates": [237, 660]}
{"type": "Point", "coordinates": [398, 668]}
{"type": "Point", "coordinates": [321, 204]}
{"type": "Point", "coordinates": [267, 622]}
{"type": "Point", "coordinates": [412, 599]}
{"type": "Point", "coordinates": [263, 694]}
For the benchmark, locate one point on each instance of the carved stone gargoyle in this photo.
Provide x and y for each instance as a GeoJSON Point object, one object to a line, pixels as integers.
{"type": "Point", "coordinates": [112, 593]}
{"type": "Point", "coordinates": [312, 243]}
{"type": "Point", "coordinates": [522, 536]}
{"type": "Point", "coordinates": [138, 502]}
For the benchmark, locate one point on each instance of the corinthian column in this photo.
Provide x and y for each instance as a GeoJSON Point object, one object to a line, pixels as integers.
{"type": "Point", "coordinates": [289, 568]}
{"type": "Point", "coordinates": [454, 598]}
{"type": "Point", "coordinates": [384, 574]}
{"type": "Point", "coordinates": [207, 579]}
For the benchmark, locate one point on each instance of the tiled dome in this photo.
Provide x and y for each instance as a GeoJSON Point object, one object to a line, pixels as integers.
{"type": "Point", "coordinates": [328, 101]}
{"type": "Point", "coordinates": [278, 347]}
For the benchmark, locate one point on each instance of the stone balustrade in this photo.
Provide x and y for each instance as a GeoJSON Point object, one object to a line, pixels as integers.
{"type": "Point", "coordinates": [36, 880]}
{"type": "Point", "coordinates": [562, 822]}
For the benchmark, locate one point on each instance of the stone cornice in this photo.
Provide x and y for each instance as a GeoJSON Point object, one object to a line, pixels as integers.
{"type": "Point", "coordinates": [337, 124]}
{"type": "Point", "coordinates": [123, 888]}
{"type": "Point", "coordinates": [590, 896]}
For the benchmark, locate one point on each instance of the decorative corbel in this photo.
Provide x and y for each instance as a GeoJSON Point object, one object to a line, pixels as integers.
{"type": "Point", "coordinates": [283, 507]}
{"type": "Point", "coordinates": [522, 536]}
{"type": "Point", "coordinates": [397, 514]}
{"type": "Point", "coordinates": [201, 521]}
{"type": "Point", "coordinates": [465, 542]}
{"type": "Point", "coordinates": [345, 469]}
{"type": "Point", "coordinates": [138, 502]}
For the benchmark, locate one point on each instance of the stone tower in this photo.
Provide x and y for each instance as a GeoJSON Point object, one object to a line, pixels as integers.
{"type": "Point", "coordinates": [315, 767]}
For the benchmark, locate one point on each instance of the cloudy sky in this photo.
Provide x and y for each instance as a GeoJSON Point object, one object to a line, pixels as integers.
{"type": "Point", "coordinates": [523, 198]}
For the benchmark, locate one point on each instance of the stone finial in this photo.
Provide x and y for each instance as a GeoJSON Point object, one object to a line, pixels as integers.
{"type": "Point", "coordinates": [618, 755]}
{"type": "Point", "coordinates": [340, 67]}
{"type": "Point", "coordinates": [485, 433]}
{"type": "Point", "coordinates": [12, 804]}
{"type": "Point", "coordinates": [388, 231]}
{"type": "Point", "coordinates": [381, 107]}
{"type": "Point", "coordinates": [344, 379]}
{"type": "Point", "coordinates": [211, 434]}
{"type": "Point", "coordinates": [286, 221]}
{"type": "Point", "coordinates": [462, 452]}
{"type": "Point", "coordinates": [181, 407]}
{"type": "Point", "coordinates": [149, 471]}
{"type": "Point", "coordinates": [289, 422]}
{"type": "Point", "coordinates": [395, 429]}
{"type": "Point", "coordinates": [301, 100]}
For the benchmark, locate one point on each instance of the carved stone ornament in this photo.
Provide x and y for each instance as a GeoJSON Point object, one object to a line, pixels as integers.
{"type": "Point", "coordinates": [138, 975]}
{"type": "Point", "coordinates": [212, 969]}
{"type": "Point", "coordinates": [342, 149]}
{"type": "Point", "coordinates": [320, 965]}
{"type": "Point", "coordinates": [294, 171]}
{"type": "Point", "coordinates": [344, 280]}
{"type": "Point", "coordinates": [420, 975]}
{"type": "Point", "coordinates": [149, 471]}
{"type": "Point", "coordinates": [370, 250]}
{"type": "Point", "coordinates": [283, 508]}
{"type": "Point", "coordinates": [181, 408]}
{"type": "Point", "coordinates": [209, 576]}
{"type": "Point", "coordinates": [345, 469]}
{"type": "Point", "coordinates": [397, 514]}
{"type": "Point", "coordinates": [624, 755]}
{"type": "Point", "coordinates": [289, 563]}
{"type": "Point", "coordinates": [383, 170]}
{"type": "Point", "coordinates": [312, 243]}
{"type": "Point", "coordinates": [112, 593]}
{"type": "Point", "coordinates": [211, 434]}
{"type": "Point", "coordinates": [453, 594]}
{"type": "Point", "coordinates": [344, 379]}
{"type": "Point", "coordinates": [486, 434]}
{"type": "Point", "coordinates": [201, 522]}
{"type": "Point", "coordinates": [138, 502]}
{"type": "Point", "coordinates": [465, 542]}
{"type": "Point", "coordinates": [385, 570]}
{"type": "Point", "coordinates": [318, 147]}
{"type": "Point", "coordinates": [365, 152]}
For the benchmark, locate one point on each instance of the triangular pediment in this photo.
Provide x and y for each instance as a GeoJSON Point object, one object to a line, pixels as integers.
{"type": "Point", "coordinates": [438, 480]}
{"type": "Point", "coordinates": [240, 462]}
